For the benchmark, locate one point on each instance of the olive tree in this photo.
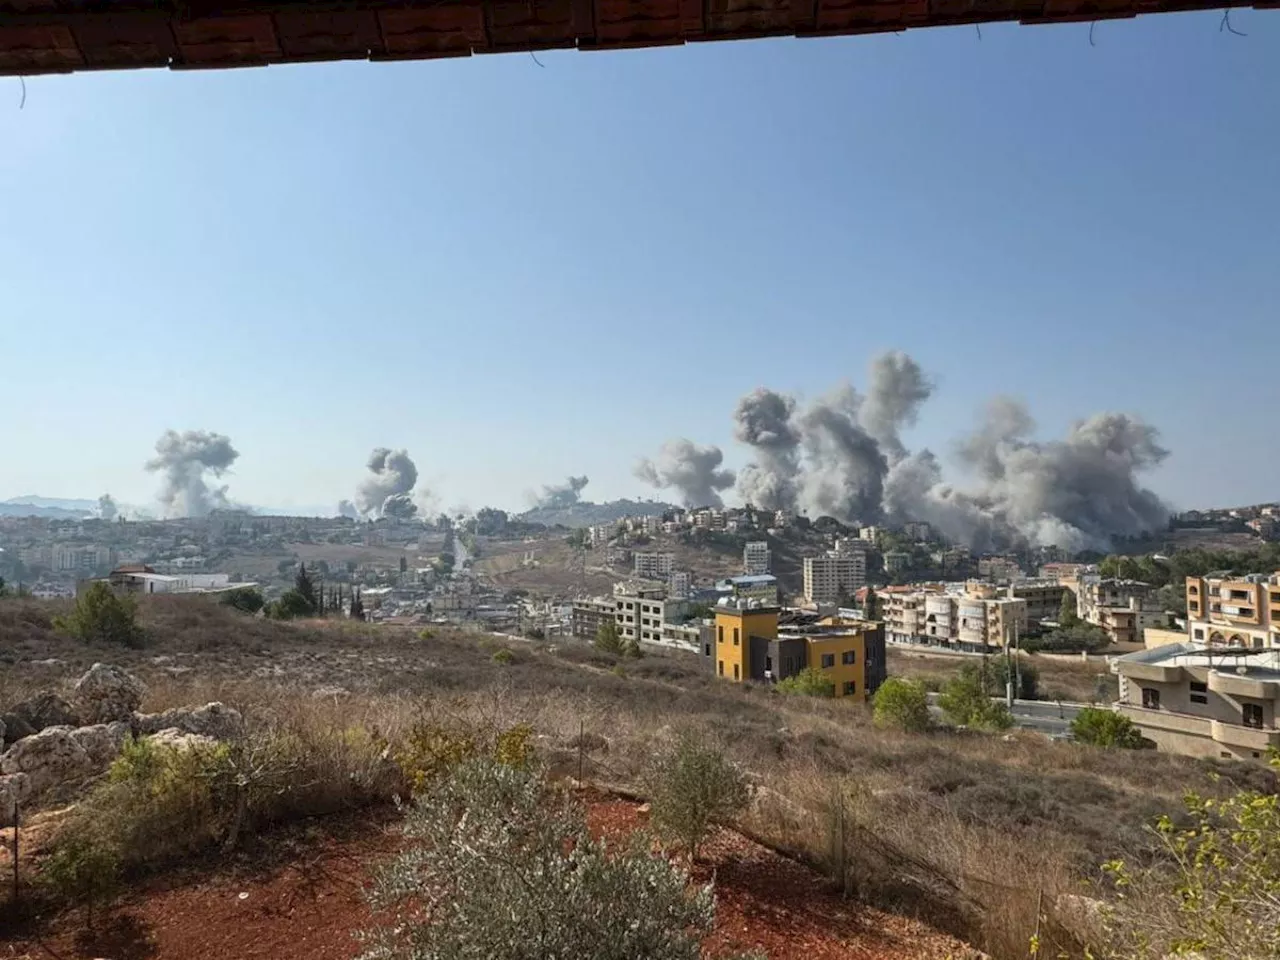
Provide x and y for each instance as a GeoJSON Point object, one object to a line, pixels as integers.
{"type": "Point", "coordinates": [500, 866]}
{"type": "Point", "coordinates": [692, 785]}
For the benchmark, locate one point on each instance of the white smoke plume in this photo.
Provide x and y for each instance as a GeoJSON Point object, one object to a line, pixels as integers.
{"type": "Point", "coordinates": [692, 470]}
{"type": "Point", "coordinates": [843, 456]}
{"type": "Point", "coordinates": [107, 508]}
{"type": "Point", "coordinates": [388, 492]}
{"type": "Point", "coordinates": [561, 495]}
{"type": "Point", "coordinates": [348, 509]}
{"type": "Point", "coordinates": [183, 460]}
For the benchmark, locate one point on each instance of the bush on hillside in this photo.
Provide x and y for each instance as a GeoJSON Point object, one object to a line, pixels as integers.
{"type": "Point", "coordinates": [1079, 638]}
{"type": "Point", "coordinates": [692, 785]}
{"type": "Point", "coordinates": [809, 682]}
{"type": "Point", "coordinates": [966, 703]}
{"type": "Point", "coordinates": [1100, 727]}
{"type": "Point", "coordinates": [103, 616]}
{"type": "Point", "coordinates": [501, 866]}
{"type": "Point", "coordinates": [901, 704]}
{"type": "Point", "coordinates": [244, 599]}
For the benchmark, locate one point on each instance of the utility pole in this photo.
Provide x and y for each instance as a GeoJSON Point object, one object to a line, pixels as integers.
{"type": "Point", "coordinates": [1008, 671]}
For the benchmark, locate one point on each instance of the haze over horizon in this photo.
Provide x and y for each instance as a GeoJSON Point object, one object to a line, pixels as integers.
{"type": "Point", "coordinates": [521, 274]}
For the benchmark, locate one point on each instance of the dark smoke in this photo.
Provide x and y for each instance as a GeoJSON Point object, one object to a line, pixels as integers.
{"type": "Point", "coordinates": [561, 495]}
{"type": "Point", "coordinates": [389, 491]}
{"type": "Point", "coordinates": [107, 509]}
{"type": "Point", "coordinates": [183, 459]}
{"type": "Point", "coordinates": [843, 456]}
{"type": "Point", "coordinates": [693, 471]}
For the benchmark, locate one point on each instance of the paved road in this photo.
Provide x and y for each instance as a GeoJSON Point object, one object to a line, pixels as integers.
{"type": "Point", "coordinates": [1045, 716]}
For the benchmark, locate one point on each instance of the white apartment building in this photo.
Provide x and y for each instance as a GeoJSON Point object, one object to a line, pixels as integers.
{"type": "Point", "coordinates": [870, 534]}
{"type": "Point", "coordinates": [999, 568]}
{"type": "Point", "coordinates": [601, 534]}
{"type": "Point", "coordinates": [917, 530]}
{"type": "Point", "coordinates": [979, 619]}
{"type": "Point", "coordinates": [653, 565]}
{"type": "Point", "coordinates": [679, 585]}
{"type": "Point", "coordinates": [755, 557]}
{"type": "Point", "coordinates": [834, 575]}
{"type": "Point", "coordinates": [641, 611]}
{"type": "Point", "coordinates": [80, 559]}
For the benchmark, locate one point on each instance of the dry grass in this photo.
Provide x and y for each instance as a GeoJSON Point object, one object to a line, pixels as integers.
{"type": "Point", "coordinates": [1062, 677]}
{"type": "Point", "coordinates": [966, 830]}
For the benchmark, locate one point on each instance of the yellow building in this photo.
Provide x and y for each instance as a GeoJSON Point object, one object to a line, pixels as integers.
{"type": "Point", "coordinates": [749, 645]}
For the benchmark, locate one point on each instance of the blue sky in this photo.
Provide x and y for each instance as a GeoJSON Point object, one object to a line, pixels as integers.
{"type": "Point", "coordinates": [519, 272]}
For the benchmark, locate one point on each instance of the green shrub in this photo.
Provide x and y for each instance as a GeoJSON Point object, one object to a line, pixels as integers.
{"type": "Point", "coordinates": [84, 870]}
{"type": "Point", "coordinates": [1080, 637]}
{"type": "Point", "coordinates": [809, 682]}
{"type": "Point", "coordinates": [244, 599]}
{"type": "Point", "coordinates": [431, 750]}
{"type": "Point", "coordinates": [902, 705]}
{"type": "Point", "coordinates": [503, 656]}
{"type": "Point", "coordinates": [1100, 727]}
{"type": "Point", "coordinates": [501, 866]}
{"type": "Point", "coordinates": [691, 786]}
{"type": "Point", "coordinates": [101, 615]}
{"type": "Point", "coordinates": [966, 703]}
{"type": "Point", "coordinates": [426, 633]}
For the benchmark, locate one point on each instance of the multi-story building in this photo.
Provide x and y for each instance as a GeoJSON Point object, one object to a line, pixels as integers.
{"type": "Point", "coordinates": [834, 575]}
{"type": "Point", "coordinates": [1227, 611]}
{"type": "Point", "coordinates": [895, 561]}
{"type": "Point", "coordinates": [750, 645]}
{"type": "Point", "coordinates": [980, 619]}
{"type": "Point", "coordinates": [1123, 608]}
{"type": "Point", "coordinates": [590, 614]}
{"type": "Point", "coordinates": [679, 585]}
{"type": "Point", "coordinates": [762, 587]}
{"type": "Point", "coordinates": [1043, 597]}
{"type": "Point", "coordinates": [601, 534]}
{"type": "Point", "coordinates": [642, 610]}
{"type": "Point", "coordinates": [917, 530]}
{"type": "Point", "coordinates": [870, 534]}
{"type": "Point", "coordinates": [999, 568]}
{"type": "Point", "coordinates": [755, 557]}
{"type": "Point", "coordinates": [653, 566]}
{"type": "Point", "coordinates": [80, 559]}
{"type": "Point", "coordinates": [692, 635]}
{"type": "Point", "coordinates": [1202, 701]}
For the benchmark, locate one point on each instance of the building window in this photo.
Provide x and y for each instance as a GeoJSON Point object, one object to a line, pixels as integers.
{"type": "Point", "coordinates": [1199, 633]}
{"type": "Point", "coordinates": [735, 672]}
{"type": "Point", "coordinates": [719, 634]}
{"type": "Point", "coordinates": [722, 668]}
{"type": "Point", "coordinates": [828, 661]}
{"type": "Point", "coordinates": [735, 636]}
{"type": "Point", "coordinates": [1251, 714]}
{"type": "Point", "coordinates": [847, 657]}
{"type": "Point", "coordinates": [706, 649]}
{"type": "Point", "coordinates": [1151, 698]}
{"type": "Point", "coordinates": [768, 664]}
{"type": "Point", "coordinates": [1199, 692]}
{"type": "Point", "coordinates": [850, 688]}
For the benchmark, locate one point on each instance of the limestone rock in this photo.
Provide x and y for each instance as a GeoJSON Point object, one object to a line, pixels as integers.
{"type": "Point", "coordinates": [102, 742]}
{"type": "Point", "coordinates": [14, 789]}
{"type": "Point", "coordinates": [214, 720]}
{"type": "Point", "coordinates": [108, 693]}
{"type": "Point", "coordinates": [176, 739]}
{"type": "Point", "coordinates": [48, 758]}
{"type": "Point", "coordinates": [46, 710]}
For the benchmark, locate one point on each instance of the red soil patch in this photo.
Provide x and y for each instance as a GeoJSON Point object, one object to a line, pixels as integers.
{"type": "Point", "coordinates": [307, 902]}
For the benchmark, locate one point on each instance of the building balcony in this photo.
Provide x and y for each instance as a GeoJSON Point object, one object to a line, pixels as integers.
{"type": "Point", "coordinates": [1245, 738]}
{"type": "Point", "coordinates": [1153, 672]}
{"type": "Point", "coordinates": [1164, 720]}
{"type": "Point", "coordinates": [1242, 685]}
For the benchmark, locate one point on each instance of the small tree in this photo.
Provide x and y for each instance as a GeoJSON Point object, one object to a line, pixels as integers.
{"type": "Point", "coordinates": [1216, 893]}
{"type": "Point", "coordinates": [1100, 727]}
{"type": "Point", "coordinates": [809, 682]}
{"type": "Point", "coordinates": [500, 866]}
{"type": "Point", "coordinates": [903, 705]}
{"type": "Point", "coordinates": [966, 703]}
{"type": "Point", "coordinates": [609, 638]}
{"type": "Point", "coordinates": [1067, 616]}
{"type": "Point", "coordinates": [100, 615]}
{"type": "Point", "coordinates": [306, 589]}
{"type": "Point", "coordinates": [692, 785]}
{"type": "Point", "coordinates": [870, 609]}
{"type": "Point", "coordinates": [244, 599]}
{"type": "Point", "coordinates": [83, 869]}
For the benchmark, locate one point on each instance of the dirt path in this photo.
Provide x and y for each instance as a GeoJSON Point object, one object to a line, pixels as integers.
{"type": "Point", "coordinates": [307, 904]}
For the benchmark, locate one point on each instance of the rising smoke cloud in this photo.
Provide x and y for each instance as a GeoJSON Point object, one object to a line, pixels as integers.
{"type": "Point", "coordinates": [692, 470]}
{"type": "Point", "coordinates": [183, 459]}
{"type": "Point", "coordinates": [843, 456]}
{"type": "Point", "coordinates": [561, 495]}
{"type": "Point", "coordinates": [348, 509]}
{"type": "Point", "coordinates": [388, 492]}
{"type": "Point", "coordinates": [107, 508]}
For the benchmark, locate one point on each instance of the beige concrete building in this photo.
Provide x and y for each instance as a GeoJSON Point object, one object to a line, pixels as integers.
{"type": "Point", "coordinates": [1043, 597]}
{"type": "Point", "coordinates": [1203, 702]}
{"type": "Point", "coordinates": [834, 575]}
{"type": "Point", "coordinates": [1234, 611]}
{"type": "Point", "coordinates": [653, 565]}
{"type": "Point", "coordinates": [1123, 608]}
{"type": "Point", "coordinates": [984, 617]}
{"type": "Point", "coordinates": [755, 557]}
